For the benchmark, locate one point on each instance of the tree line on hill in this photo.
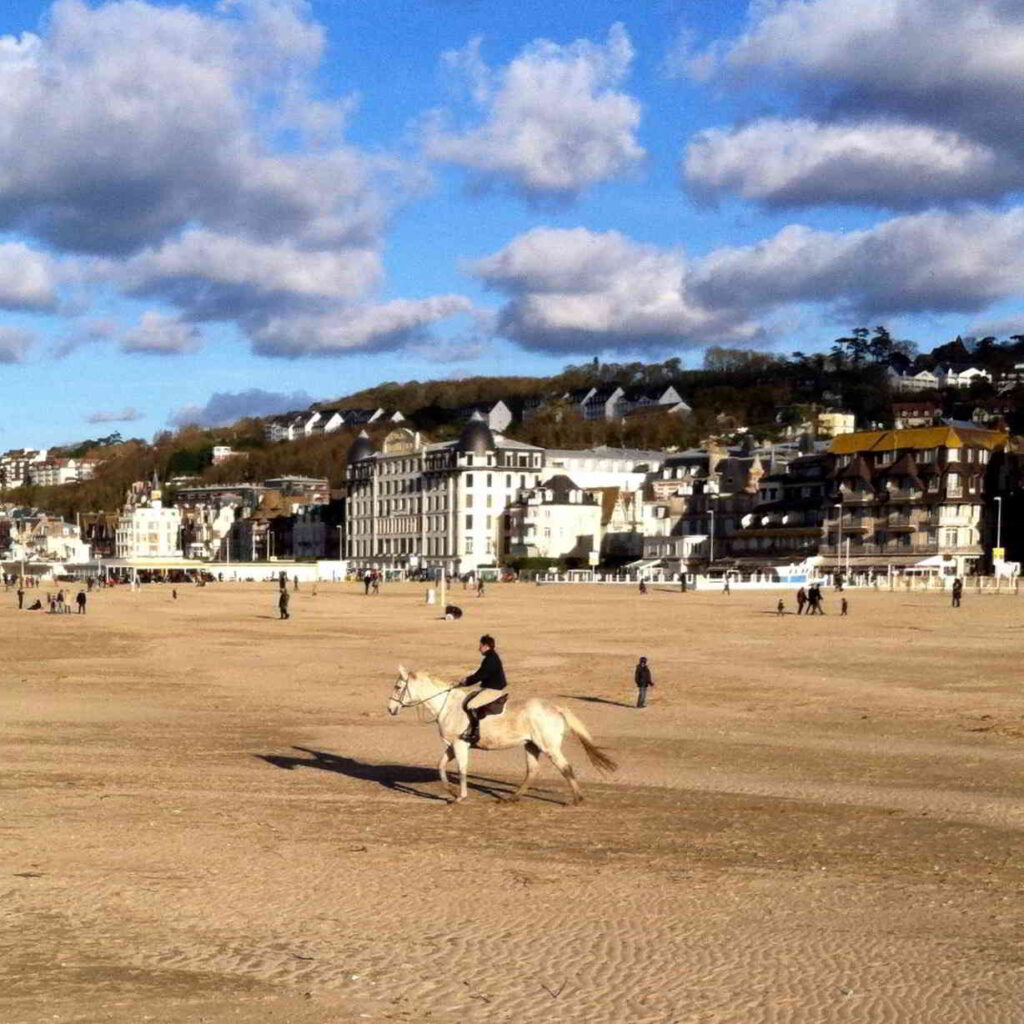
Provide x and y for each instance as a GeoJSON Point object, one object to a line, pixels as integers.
{"type": "Point", "coordinates": [761, 391]}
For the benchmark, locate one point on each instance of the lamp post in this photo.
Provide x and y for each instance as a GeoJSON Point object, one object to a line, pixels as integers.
{"type": "Point", "coordinates": [839, 537]}
{"type": "Point", "coordinates": [999, 522]}
{"type": "Point", "coordinates": [711, 539]}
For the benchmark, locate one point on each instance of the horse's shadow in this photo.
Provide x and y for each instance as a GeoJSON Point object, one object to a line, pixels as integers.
{"type": "Point", "coordinates": [401, 778]}
{"type": "Point", "coordinates": [596, 700]}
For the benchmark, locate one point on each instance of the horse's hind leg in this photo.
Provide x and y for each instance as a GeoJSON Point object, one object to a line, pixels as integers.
{"type": "Point", "coordinates": [562, 764]}
{"type": "Point", "coordinates": [532, 757]}
{"type": "Point", "coordinates": [442, 767]}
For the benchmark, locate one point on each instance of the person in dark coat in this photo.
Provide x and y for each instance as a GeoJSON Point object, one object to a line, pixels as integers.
{"type": "Point", "coordinates": [282, 604]}
{"type": "Point", "coordinates": [21, 598]}
{"type": "Point", "coordinates": [490, 677]}
{"type": "Point", "coordinates": [80, 601]}
{"type": "Point", "coordinates": [801, 600]}
{"type": "Point", "coordinates": [958, 591]}
{"type": "Point", "coordinates": [644, 681]}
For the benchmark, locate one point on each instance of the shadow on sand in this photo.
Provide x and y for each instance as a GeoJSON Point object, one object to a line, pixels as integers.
{"type": "Point", "coordinates": [597, 700]}
{"type": "Point", "coordinates": [401, 778]}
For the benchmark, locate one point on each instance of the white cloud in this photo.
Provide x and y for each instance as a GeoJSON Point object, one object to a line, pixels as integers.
{"type": "Point", "coordinates": [27, 278]}
{"type": "Point", "coordinates": [160, 334]}
{"type": "Point", "coordinates": [796, 162]}
{"type": "Point", "coordinates": [389, 325]}
{"type": "Point", "coordinates": [224, 407]}
{"type": "Point", "coordinates": [910, 94]}
{"type": "Point", "coordinates": [583, 291]}
{"type": "Point", "coordinates": [144, 119]}
{"type": "Point", "coordinates": [14, 344]}
{"type": "Point", "coordinates": [555, 121]}
{"type": "Point", "coordinates": [928, 262]}
{"type": "Point", "coordinates": [219, 276]}
{"type": "Point", "coordinates": [127, 415]}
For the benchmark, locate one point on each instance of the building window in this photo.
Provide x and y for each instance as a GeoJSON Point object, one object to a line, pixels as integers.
{"type": "Point", "coordinates": [950, 538]}
{"type": "Point", "coordinates": [469, 522]}
{"type": "Point", "coordinates": [469, 479]}
{"type": "Point", "coordinates": [469, 501]}
{"type": "Point", "coordinates": [469, 545]}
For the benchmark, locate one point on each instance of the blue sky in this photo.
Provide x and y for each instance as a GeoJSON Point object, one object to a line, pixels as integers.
{"type": "Point", "coordinates": [212, 209]}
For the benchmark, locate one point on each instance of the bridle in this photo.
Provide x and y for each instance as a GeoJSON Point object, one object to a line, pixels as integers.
{"type": "Point", "coordinates": [416, 703]}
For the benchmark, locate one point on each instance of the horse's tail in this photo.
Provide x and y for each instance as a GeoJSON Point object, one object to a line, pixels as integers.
{"type": "Point", "coordinates": [598, 758]}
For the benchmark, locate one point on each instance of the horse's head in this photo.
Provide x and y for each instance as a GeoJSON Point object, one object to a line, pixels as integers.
{"type": "Point", "coordinates": [398, 694]}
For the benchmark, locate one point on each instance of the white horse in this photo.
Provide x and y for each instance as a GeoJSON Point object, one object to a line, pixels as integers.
{"type": "Point", "coordinates": [536, 725]}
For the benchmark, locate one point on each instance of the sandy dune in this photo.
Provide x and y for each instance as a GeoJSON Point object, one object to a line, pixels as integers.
{"type": "Point", "coordinates": [207, 814]}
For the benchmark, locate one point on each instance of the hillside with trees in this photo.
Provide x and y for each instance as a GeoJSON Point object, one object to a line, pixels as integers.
{"type": "Point", "coordinates": [756, 390]}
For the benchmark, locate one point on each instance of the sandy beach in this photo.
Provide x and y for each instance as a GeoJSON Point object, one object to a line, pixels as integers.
{"type": "Point", "coordinates": [209, 816]}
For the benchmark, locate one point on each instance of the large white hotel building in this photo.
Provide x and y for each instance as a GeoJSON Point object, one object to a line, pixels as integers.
{"type": "Point", "coordinates": [442, 504]}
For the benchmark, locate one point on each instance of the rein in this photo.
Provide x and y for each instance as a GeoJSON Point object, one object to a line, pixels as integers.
{"type": "Point", "coordinates": [417, 703]}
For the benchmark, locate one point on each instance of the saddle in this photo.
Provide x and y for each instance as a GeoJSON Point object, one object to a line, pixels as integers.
{"type": "Point", "coordinates": [495, 707]}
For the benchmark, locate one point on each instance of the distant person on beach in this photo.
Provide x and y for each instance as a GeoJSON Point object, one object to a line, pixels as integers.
{"type": "Point", "coordinates": [282, 605]}
{"type": "Point", "coordinates": [814, 599]}
{"type": "Point", "coordinates": [480, 587]}
{"type": "Point", "coordinates": [80, 601]}
{"type": "Point", "coordinates": [643, 587]}
{"type": "Point", "coordinates": [452, 611]}
{"type": "Point", "coordinates": [37, 606]}
{"type": "Point", "coordinates": [958, 591]}
{"type": "Point", "coordinates": [801, 600]}
{"type": "Point", "coordinates": [682, 584]}
{"type": "Point", "coordinates": [21, 598]}
{"type": "Point", "coordinates": [844, 607]}
{"type": "Point", "coordinates": [367, 580]}
{"type": "Point", "coordinates": [644, 681]}
{"type": "Point", "coordinates": [296, 581]}
{"type": "Point", "coordinates": [780, 608]}
{"type": "Point", "coordinates": [726, 589]}
{"type": "Point", "coordinates": [375, 583]}
{"type": "Point", "coordinates": [174, 594]}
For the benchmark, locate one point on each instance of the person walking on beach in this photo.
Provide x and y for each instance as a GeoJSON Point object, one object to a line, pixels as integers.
{"type": "Point", "coordinates": [726, 589]}
{"type": "Point", "coordinates": [21, 597]}
{"type": "Point", "coordinates": [644, 681]}
{"type": "Point", "coordinates": [814, 599]}
{"type": "Point", "coordinates": [780, 608]}
{"type": "Point", "coordinates": [958, 591]}
{"type": "Point", "coordinates": [367, 579]}
{"type": "Point", "coordinates": [801, 600]}
{"type": "Point", "coordinates": [480, 587]}
{"type": "Point", "coordinates": [282, 605]}
{"type": "Point", "coordinates": [643, 586]}
{"type": "Point", "coordinates": [844, 607]}
{"type": "Point", "coordinates": [80, 601]}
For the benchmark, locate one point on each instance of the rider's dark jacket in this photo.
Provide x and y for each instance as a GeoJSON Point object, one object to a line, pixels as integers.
{"type": "Point", "coordinates": [490, 674]}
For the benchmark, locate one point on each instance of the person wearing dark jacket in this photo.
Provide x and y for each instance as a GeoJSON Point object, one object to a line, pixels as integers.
{"type": "Point", "coordinates": [490, 677]}
{"type": "Point", "coordinates": [282, 604]}
{"type": "Point", "coordinates": [643, 679]}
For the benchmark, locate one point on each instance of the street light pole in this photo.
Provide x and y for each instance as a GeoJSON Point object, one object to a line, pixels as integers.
{"type": "Point", "coordinates": [839, 537]}
{"type": "Point", "coordinates": [999, 522]}
{"type": "Point", "coordinates": [711, 559]}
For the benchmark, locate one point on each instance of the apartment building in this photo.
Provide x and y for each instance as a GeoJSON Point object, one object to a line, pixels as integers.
{"type": "Point", "coordinates": [414, 503]}
{"type": "Point", "coordinates": [911, 497]}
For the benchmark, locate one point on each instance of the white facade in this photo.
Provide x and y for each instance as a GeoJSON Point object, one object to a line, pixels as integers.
{"type": "Point", "coordinates": [415, 504]}
{"type": "Point", "coordinates": [960, 377]}
{"type": "Point", "coordinates": [553, 520]}
{"type": "Point", "coordinates": [605, 467]}
{"type": "Point", "coordinates": [54, 472]}
{"type": "Point", "coordinates": [149, 531]}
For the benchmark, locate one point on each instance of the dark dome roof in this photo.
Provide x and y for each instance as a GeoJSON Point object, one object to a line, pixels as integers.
{"type": "Point", "coordinates": [361, 448]}
{"type": "Point", "coordinates": [476, 436]}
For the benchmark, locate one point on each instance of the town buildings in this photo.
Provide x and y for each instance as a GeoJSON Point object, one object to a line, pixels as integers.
{"type": "Point", "coordinates": [147, 528]}
{"type": "Point", "coordinates": [440, 504]}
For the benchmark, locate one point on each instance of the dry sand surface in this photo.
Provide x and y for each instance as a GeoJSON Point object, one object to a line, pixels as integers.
{"type": "Point", "coordinates": [207, 814]}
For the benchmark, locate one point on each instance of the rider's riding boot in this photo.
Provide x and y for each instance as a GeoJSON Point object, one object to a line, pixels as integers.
{"type": "Point", "coordinates": [472, 732]}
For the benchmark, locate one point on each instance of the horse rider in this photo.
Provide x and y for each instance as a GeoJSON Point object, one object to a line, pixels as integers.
{"type": "Point", "coordinates": [490, 677]}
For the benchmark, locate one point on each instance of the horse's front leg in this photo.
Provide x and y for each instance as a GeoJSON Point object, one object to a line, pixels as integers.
{"type": "Point", "coordinates": [461, 748]}
{"type": "Point", "coordinates": [442, 766]}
